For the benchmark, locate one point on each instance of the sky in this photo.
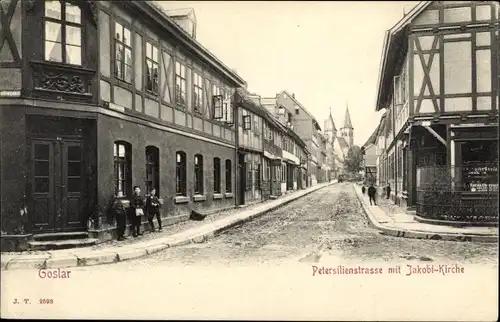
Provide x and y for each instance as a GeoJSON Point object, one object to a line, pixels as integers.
{"type": "Point", "coordinates": [327, 53]}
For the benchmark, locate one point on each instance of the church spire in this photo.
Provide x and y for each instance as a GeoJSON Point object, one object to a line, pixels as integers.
{"type": "Point", "coordinates": [347, 119]}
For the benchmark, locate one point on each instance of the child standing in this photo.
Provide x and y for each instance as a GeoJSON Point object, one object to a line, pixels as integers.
{"type": "Point", "coordinates": [120, 216]}
{"type": "Point", "coordinates": [153, 207]}
{"type": "Point", "coordinates": [137, 204]}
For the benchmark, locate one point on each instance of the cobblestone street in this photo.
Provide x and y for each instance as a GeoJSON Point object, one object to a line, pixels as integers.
{"type": "Point", "coordinates": [329, 222]}
{"type": "Point", "coordinates": [257, 269]}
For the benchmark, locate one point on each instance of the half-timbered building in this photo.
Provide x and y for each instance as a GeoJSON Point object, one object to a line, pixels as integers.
{"type": "Point", "coordinates": [439, 84]}
{"type": "Point", "coordinates": [101, 96]}
{"type": "Point", "coordinates": [250, 147]}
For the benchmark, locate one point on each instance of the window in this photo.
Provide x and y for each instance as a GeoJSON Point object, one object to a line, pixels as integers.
{"type": "Point", "coordinates": [229, 187]}
{"type": "Point", "coordinates": [197, 93]}
{"type": "Point", "coordinates": [198, 174]}
{"type": "Point", "coordinates": [180, 84]}
{"type": "Point", "coordinates": [247, 122]}
{"type": "Point", "coordinates": [221, 104]}
{"type": "Point", "coordinates": [152, 68]}
{"type": "Point", "coordinates": [63, 32]}
{"type": "Point", "coordinates": [296, 111]}
{"type": "Point", "coordinates": [249, 176]}
{"type": "Point", "coordinates": [256, 123]}
{"type": "Point", "coordinates": [227, 109]}
{"type": "Point", "coordinates": [152, 169]}
{"type": "Point", "coordinates": [217, 103]}
{"type": "Point", "coordinates": [123, 53]}
{"type": "Point", "coordinates": [180, 174]}
{"type": "Point", "coordinates": [217, 185]}
{"type": "Point", "coordinates": [122, 168]}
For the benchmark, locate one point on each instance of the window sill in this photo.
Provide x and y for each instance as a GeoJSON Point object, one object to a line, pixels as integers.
{"type": "Point", "coordinates": [181, 199]}
{"type": "Point", "coordinates": [217, 196]}
{"type": "Point", "coordinates": [228, 195]}
{"type": "Point", "coordinates": [199, 198]}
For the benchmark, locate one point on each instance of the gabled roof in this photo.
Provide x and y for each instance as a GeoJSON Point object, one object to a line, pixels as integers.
{"type": "Point", "coordinates": [301, 106]}
{"type": "Point", "coordinates": [393, 46]}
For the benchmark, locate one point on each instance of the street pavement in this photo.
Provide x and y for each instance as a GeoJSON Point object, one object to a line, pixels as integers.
{"type": "Point", "coordinates": [328, 222]}
{"type": "Point", "coordinates": [270, 268]}
{"type": "Point", "coordinates": [395, 221]}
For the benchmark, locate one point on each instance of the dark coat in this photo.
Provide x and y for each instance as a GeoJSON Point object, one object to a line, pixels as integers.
{"type": "Point", "coordinates": [137, 202]}
{"type": "Point", "coordinates": [152, 204]}
{"type": "Point", "coordinates": [372, 191]}
{"type": "Point", "coordinates": [118, 208]}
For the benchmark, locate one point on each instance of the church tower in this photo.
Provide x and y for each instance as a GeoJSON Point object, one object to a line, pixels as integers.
{"type": "Point", "coordinates": [330, 129]}
{"type": "Point", "coordinates": [347, 131]}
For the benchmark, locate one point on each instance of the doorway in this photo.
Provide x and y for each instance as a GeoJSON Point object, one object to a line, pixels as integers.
{"type": "Point", "coordinates": [242, 185]}
{"type": "Point", "coordinates": [57, 185]}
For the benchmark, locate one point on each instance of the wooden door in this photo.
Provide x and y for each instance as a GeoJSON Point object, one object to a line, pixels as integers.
{"type": "Point", "coordinates": [72, 186]}
{"type": "Point", "coordinates": [43, 209]}
{"type": "Point", "coordinates": [58, 185]}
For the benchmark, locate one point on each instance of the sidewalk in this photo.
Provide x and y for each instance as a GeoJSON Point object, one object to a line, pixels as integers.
{"type": "Point", "coordinates": [392, 220]}
{"type": "Point", "coordinates": [111, 252]}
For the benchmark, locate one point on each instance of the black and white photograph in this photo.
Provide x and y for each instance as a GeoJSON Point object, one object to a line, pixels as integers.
{"type": "Point", "coordinates": [249, 160]}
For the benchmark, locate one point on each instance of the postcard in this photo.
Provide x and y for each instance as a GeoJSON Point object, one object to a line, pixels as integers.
{"type": "Point", "coordinates": [249, 160]}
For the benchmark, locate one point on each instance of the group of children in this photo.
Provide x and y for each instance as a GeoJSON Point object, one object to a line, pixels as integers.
{"type": "Point", "coordinates": [372, 192]}
{"type": "Point", "coordinates": [139, 206]}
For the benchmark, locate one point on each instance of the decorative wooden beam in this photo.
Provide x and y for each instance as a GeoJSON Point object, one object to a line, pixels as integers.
{"type": "Point", "coordinates": [436, 135]}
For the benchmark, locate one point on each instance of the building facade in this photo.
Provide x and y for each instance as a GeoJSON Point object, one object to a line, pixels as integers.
{"type": "Point", "coordinates": [439, 85]}
{"type": "Point", "coordinates": [250, 148]}
{"type": "Point", "coordinates": [82, 120]}
{"type": "Point", "coordinates": [296, 116]}
{"type": "Point", "coordinates": [369, 151]}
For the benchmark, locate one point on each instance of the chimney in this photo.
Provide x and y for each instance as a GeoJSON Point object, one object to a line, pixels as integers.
{"type": "Point", "coordinates": [293, 95]}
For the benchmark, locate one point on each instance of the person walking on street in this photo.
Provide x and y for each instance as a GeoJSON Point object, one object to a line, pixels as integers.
{"type": "Point", "coordinates": [153, 207]}
{"type": "Point", "coordinates": [137, 204]}
{"type": "Point", "coordinates": [363, 189]}
{"type": "Point", "coordinates": [388, 191]}
{"type": "Point", "coordinates": [371, 194]}
{"type": "Point", "coordinates": [120, 214]}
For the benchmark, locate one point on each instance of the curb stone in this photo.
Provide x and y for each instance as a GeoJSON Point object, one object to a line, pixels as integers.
{"type": "Point", "coordinates": [27, 263]}
{"type": "Point", "coordinates": [106, 257]}
{"type": "Point", "coordinates": [62, 262]}
{"type": "Point", "coordinates": [395, 232]}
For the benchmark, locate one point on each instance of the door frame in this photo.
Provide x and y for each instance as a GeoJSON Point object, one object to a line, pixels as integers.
{"type": "Point", "coordinates": [58, 171]}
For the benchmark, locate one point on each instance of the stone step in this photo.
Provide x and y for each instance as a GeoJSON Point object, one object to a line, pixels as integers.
{"type": "Point", "coordinates": [62, 244]}
{"type": "Point", "coordinates": [61, 236]}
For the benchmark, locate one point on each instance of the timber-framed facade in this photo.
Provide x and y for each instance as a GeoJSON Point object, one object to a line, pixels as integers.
{"type": "Point", "coordinates": [439, 85]}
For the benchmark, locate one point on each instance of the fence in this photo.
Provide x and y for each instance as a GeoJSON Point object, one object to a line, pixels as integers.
{"type": "Point", "coordinates": [461, 193]}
